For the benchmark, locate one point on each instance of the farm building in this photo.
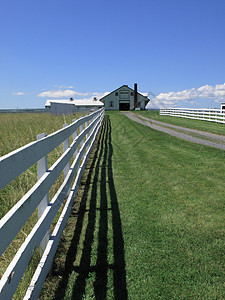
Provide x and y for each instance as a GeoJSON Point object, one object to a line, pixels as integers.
{"type": "Point", "coordinates": [125, 98]}
{"type": "Point", "coordinates": [59, 107]}
{"type": "Point", "coordinates": [222, 107]}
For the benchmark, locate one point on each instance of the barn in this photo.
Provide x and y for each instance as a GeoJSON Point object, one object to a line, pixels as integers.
{"type": "Point", "coordinates": [125, 98]}
{"type": "Point", "coordinates": [65, 106]}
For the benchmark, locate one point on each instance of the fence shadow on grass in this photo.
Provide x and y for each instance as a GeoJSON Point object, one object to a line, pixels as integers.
{"type": "Point", "coordinates": [100, 170]}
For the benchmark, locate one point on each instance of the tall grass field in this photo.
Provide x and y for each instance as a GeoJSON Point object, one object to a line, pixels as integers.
{"type": "Point", "coordinates": [17, 130]}
{"type": "Point", "coordinates": [148, 220]}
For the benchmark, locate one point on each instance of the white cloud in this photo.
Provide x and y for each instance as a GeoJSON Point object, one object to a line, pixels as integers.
{"type": "Point", "coordinates": [18, 93]}
{"type": "Point", "coordinates": [68, 93]}
{"type": "Point", "coordinates": [61, 94]}
{"type": "Point", "coordinates": [100, 95]}
{"type": "Point", "coordinates": [206, 91]}
{"type": "Point", "coordinates": [160, 103]}
{"type": "Point", "coordinates": [177, 96]}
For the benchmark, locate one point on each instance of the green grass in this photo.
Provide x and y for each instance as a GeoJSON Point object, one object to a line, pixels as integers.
{"type": "Point", "coordinates": [148, 221]}
{"type": "Point", "coordinates": [212, 127]}
{"type": "Point", "coordinates": [16, 131]}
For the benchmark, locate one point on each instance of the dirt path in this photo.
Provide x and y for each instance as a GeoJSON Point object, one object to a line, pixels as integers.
{"type": "Point", "coordinates": [164, 127]}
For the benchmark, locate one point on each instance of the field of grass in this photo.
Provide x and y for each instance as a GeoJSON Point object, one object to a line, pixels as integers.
{"type": "Point", "coordinates": [212, 127]}
{"type": "Point", "coordinates": [16, 131]}
{"type": "Point", "coordinates": [148, 220]}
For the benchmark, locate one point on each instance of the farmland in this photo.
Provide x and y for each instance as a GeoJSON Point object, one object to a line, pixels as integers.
{"type": "Point", "coordinates": [148, 220]}
{"type": "Point", "coordinates": [16, 131]}
{"type": "Point", "coordinates": [189, 123]}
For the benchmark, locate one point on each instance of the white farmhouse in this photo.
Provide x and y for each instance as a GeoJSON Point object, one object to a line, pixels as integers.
{"type": "Point", "coordinates": [125, 98]}
{"type": "Point", "coordinates": [60, 107]}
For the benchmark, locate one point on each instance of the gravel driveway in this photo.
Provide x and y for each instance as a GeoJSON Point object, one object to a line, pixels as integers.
{"type": "Point", "coordinates": [164, 127]}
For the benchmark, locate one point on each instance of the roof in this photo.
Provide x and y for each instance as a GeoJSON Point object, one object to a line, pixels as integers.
{"type": "Point", "coordinates": [125, 86]}
{"type": "Point", "coordinates": [76, 102]}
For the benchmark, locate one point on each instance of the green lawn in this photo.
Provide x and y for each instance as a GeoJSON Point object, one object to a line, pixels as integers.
{"type": "Point", "coordinates": [213, 127]}
{"type": "Point", "coordinates": [148, 221]}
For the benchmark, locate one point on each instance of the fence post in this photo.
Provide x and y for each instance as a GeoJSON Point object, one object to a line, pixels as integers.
{"type": "Point", "coordinates": [82, 142]}
{"type": "Point", "coordinates": [42, 167]}
{"type": "Point", "coordinates": [74, 137]}
{"type": "Point", "coordinates": [86, 125]}
{"type": "Point", "coordinates": [66, 145]}
{"type": "Point", "coordinates": [81, 129]}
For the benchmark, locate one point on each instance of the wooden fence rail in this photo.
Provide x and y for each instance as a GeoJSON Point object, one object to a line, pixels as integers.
{"type": "Point", "coordinates": [212, 115]}
{"type": "Point", "coordinates": [15, 163]}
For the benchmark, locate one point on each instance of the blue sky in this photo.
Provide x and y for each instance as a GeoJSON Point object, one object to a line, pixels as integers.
{"type": "Point", "coordinates": [173, 49]}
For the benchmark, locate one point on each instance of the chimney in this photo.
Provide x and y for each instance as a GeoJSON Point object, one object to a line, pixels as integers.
{"type": "Point", "coordinates": [135, 95]}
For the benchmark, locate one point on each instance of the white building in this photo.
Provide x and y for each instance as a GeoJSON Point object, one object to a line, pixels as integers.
{"type": "Point", "coordinates": [125, 98]}
{"type": "Point", "coordinates": [222, 107]}
{"type": "Point", "coordinates": [60, 107]}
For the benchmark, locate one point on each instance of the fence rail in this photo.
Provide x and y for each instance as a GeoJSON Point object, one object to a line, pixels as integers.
{"type": "Point", "coordinates": [211, 115]}
{"type": "Point", "coordinates": [15, 163]}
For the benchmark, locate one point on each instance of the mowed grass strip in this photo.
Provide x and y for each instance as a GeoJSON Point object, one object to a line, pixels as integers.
{"type": "Point", "coordinates": [148, 221]}
{"type": "Point", "coordinates": [208, 126]}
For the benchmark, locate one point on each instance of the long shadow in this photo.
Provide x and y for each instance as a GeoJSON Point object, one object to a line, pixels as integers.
{"type": "Point", "coordinates": [72, 252]}
{"type": "Point", "coordinates": [85, 262]}
{"type": "Point", "coordinates": [102, 164]}
{"type": "Point", "coordinates": [100, 285]}
{"type": "Point", "coordinates": [119, 275]}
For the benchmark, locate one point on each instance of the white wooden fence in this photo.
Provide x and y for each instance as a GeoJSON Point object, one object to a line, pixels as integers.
{"type": "Point", "coordinates": [15, 163]}
{"type": "Point", "coordinates": [212, 115]}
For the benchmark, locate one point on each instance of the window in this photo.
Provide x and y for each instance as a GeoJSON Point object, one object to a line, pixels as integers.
{"type": "Point", "coordinates": [116, 93]}
{"type": "Point", "coordinates": [111, 104]}
{"type": "Point", "coordinates": [124, 95]}
{"type": "Point", "coordinates": [132, 93]}
{"type": "Point", "coordinates": [139, 104]}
